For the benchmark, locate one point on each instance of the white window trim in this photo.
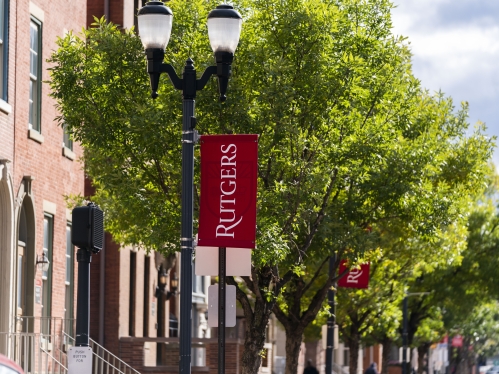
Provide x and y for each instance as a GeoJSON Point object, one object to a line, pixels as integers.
{"type": "Point", "coordinates": [5, 107]}
{"type": "Point", "coordinates": [36, 136]}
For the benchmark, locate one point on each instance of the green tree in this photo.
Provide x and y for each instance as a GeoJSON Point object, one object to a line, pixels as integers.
{"type": "Point", "coordinates": [466, 292]}
{"type": "Point", "coordinates": [347, 139]}
{"type": "Point", "coordinates": [374, 316]}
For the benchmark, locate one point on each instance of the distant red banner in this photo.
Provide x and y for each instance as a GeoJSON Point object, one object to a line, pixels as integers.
{"type": "Point", "coordinates": [227, 216]}
{"type": "Point", "coordinates": [457, 341]}
{"type": "Point", "coordinates": [355, 278]}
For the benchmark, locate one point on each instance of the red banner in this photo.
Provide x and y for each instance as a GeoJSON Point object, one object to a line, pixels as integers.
{"type": "Point", "coordinates": [355, 278]}
{"type": "Point", "coordinates": [457, 341]}
{"type": "Point", "coordinates": [227, 215]}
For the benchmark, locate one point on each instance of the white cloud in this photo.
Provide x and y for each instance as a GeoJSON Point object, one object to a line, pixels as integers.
{"type": "Point", "coordinates": [455, 48]}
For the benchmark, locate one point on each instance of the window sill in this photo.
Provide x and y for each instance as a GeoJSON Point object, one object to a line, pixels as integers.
{"type": "Point", "coordinates": [35, 135]}
{"type": "Point", "coordinates": [5, 107]}
{"type": "Point", "coordinates": [68, 153]}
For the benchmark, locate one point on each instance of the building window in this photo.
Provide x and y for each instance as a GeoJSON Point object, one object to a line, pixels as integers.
{"type": "Point", "coordinates": [173, 330]}
{"type": "Point", "coordinates": [4, 47]}
{"type": "Point", "coordinates": [48, 235]}
{"type": "Point", "coordinates": [69, 294]}
{"type": "Point", "coordinates": [197, 284]}
{"type": "Point", "coordinates": [35, 83]}
{"type": "Point", "coordinates": [147, 292]}
{"type": "Point", "coordinates": [67, 141]}
{"type": "Point", "coordinates": [131, 305]}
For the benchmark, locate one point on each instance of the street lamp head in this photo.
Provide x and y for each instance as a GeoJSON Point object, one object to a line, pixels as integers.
{"type": "Point", "coordinates": [43, 262]}
{"type": "Point", "coordinates": [155, 25]}
{"type": "Point", "coordinates": [224, 28]}
{"type": "Point", "coordinates": [162, 277]}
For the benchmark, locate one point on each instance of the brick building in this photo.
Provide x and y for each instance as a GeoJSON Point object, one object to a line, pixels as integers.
{"type": "Point", "coordinates": [38, 167]}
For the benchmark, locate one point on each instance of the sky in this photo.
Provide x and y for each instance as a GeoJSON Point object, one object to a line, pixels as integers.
{"type": "Point", "coordinates": [455, 46]}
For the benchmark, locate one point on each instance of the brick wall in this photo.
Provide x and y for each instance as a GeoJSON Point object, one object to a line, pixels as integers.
{"type": "Point", "coordinates": [132, 352]}
{"type": "Point", "coordinates": [54, 175]}
{"type": "Point", "coordinates": [97, 8]}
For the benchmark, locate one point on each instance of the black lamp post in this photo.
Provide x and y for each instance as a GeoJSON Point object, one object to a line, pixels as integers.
{"type": "Point", "coordinates": [224, 29]}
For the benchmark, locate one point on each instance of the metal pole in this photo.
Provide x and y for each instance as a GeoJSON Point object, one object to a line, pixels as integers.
{"type": "Point", "coordinates": [84, 257]}
{"type": "Point", "coordinates": [331, 321]}
{"type": "Point", "coordinates": [221, 309]}
{"type": "Point", "coordinates": [186, 240]}
{"type": "Point", "coordinates": [404, 337]}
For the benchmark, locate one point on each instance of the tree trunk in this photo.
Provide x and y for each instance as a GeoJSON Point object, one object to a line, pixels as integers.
{"type": "Point", "coordinates": [295, 320]}
{"type": "Point", "coordinates": [293, 345]}
{"type": "Point", "coordinates": [387, 347]}
{"type": "Point", "coordinates": [422, 354]}
{"type": "Point", "coordinates": [353, 345]}
{"type": "Point", "coordinates": [253, 345]}
{"type": "Point", "coordinates": [468, 361]}
{"type": "Point", "coordinates": [257, 319]}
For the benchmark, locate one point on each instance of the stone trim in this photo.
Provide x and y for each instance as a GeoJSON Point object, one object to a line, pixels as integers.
{"type": "Point", "coordinates": [5, 107]}
{"type": "Point", "coordinates": [68, 153]}
{"type": "Point", "coordinates": [36, 136]}
{"type": "Point", "coordinates": [36, 12]}
{"type": "Point", "coordinates": [49, 207]}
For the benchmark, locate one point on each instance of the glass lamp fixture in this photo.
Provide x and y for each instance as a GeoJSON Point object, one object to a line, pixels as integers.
{"type": "Point", "coordinates": [173, 288]}
{"type": "Point", "coordinates": [162, 277]}
{"type": "Point", "coordinates": [174, 284]}
{"type": "Point", "coordinates": [43, 262]}
{"type": "Point", "coordinates": [224, 28]}
{"type": "Point", "coordinates": [155, 25]}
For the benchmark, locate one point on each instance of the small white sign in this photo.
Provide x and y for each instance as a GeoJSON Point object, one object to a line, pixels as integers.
{"type": "Point", "coordinates": [230, 306]}
{"type": "Point", "coordinates": [238, 261]}
{"type": "Point", "coordinates": [80, 360]}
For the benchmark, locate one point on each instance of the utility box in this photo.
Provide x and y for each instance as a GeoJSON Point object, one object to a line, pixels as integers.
{"type": "Point", "coordinates": [88, 228]}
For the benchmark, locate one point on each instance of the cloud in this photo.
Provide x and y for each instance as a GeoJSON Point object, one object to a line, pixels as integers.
{"type": "Point", "coordinates": [455, 46]}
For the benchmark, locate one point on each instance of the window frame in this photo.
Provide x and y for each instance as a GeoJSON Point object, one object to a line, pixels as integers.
{"type": "Point", "coordinates": [4, 49]}
{"type": "Point", "coordinates": [35, 93]}
{"type": "Point", "coordinates": [67, 141]}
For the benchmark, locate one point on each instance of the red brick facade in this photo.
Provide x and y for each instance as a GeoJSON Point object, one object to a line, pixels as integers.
{"type": "Point", "coordinates": [38, 174]}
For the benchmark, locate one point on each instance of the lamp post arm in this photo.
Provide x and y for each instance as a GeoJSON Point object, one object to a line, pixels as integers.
{"type": "Point", "coordinates": [201, 82]}
{"type": "Point", "coordinates": [175, 79]}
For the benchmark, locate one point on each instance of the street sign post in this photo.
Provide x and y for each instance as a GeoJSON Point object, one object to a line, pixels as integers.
{"type": "Point", "coordinates": [88, 235]}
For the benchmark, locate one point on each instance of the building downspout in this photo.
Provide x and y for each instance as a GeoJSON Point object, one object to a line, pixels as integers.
{"type": "Point", "coordinates": [106, 10]}
{"type": "Point", "coordinates": [102, 286]}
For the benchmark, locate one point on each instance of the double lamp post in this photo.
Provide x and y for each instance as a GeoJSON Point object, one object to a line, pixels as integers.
{"type": "Point", "coordinates": [224, 29]}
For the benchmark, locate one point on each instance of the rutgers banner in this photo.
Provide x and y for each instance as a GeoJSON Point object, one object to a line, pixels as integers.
{"type": "Point", "coordinates": [355, 278]}
{"type": "Point", "coordinates": [227, 216]}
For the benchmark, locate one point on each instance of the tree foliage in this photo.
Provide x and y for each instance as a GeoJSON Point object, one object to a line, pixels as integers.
{"type": "Point", "coordinates": [348, 140]}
